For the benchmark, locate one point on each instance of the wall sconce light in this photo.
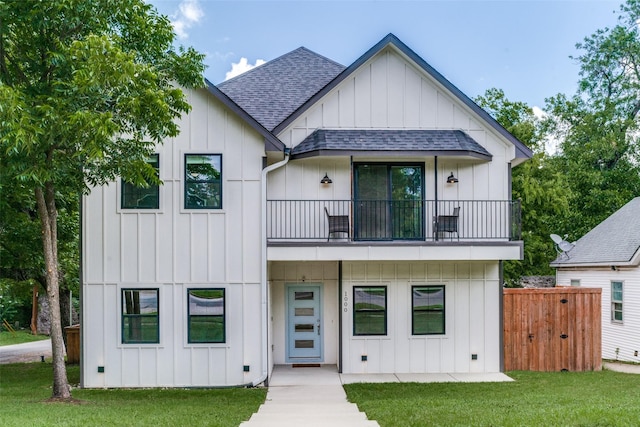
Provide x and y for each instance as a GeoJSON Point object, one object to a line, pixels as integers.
{"type": "Point", "coordinates": [326, 180]}
{"type": "Point", "coordinates": [452, 179]}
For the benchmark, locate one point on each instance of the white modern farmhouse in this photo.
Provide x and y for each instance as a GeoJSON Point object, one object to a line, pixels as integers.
{"type": "Point", "coordinates": [608, 257]}
{"type": "Point", "coordinates": [311, 213]}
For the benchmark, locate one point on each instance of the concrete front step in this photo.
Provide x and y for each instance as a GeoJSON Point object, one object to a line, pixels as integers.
{"type": "Point", "coordinates": [303, 418]}
{"type": "Point", "coordinates": [309, 423]}
{"type": "Point", "coordinates": [308, 408]}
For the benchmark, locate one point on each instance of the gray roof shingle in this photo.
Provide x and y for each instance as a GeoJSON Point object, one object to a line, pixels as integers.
{"type": "Point", "coordinates": [614, 241]}
{"type": "Point", "coordinates": [432, 142]}
{"type": "Point", "coordinates": [273, 91]}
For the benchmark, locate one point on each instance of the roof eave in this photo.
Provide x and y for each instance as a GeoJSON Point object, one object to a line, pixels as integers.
{"type": "Point", "coordinates": [390, 153]}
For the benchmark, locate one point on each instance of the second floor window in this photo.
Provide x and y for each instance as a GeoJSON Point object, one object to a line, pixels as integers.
{"type": "Point", "coordinates": [203, 181]}
{"type": "Point", "coordinates": [134, 197]}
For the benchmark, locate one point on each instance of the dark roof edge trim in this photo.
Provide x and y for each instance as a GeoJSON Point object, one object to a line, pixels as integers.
{"type": "Point", "coordinates": [272, 143]}
{"type": "Point", "coordinates": [391, 153]}
{"type": "Point", "coordinates": [522, 151]}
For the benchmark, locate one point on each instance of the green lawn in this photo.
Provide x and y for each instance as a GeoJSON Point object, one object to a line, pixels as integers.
{"type": "Point", "coordinates": [19, 337]}
{"type": "Point", "coordinates": [535, 399]}
{"type": "Point", "coordinates": [25, 387]}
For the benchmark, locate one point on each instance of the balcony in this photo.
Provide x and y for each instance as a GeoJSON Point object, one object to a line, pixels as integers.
{"type": "Point", "coordinates": [398, 221]}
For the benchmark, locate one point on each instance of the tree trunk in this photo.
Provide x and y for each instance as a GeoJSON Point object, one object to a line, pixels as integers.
{"type": "Point", "coordinates": [48, 213]}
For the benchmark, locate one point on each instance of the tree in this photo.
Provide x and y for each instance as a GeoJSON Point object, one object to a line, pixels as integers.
{"type": "Point", "coordinates": [598, 126]}
{"type": "Point", "coordinates": [87, 89]}
{"type": "Point", "coordinates": [536, 183]}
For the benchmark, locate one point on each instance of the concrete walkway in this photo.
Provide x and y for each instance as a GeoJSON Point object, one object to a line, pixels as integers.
{"type": "Point", "coordinates": [309, 397]}
{"type": "Point", "coordinates": [314, 397]}
{"type": "Point", "coordinates": [627, 368]}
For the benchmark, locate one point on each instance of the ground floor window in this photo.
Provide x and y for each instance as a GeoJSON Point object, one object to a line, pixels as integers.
{"type": "Point", "coordinates": [616, 302]}
{"type": "Point", "coordinates": [140, 316]}
{"type": "Point", "coordinates": [370, 310]}
{"type": "Point", "coordinates": [206, 315]}
{"type": "Point", "coordinates": [427, 310]}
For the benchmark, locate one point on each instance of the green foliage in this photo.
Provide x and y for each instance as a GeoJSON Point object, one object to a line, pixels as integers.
{"type": "Point", "coordinates": [598, 126]}
{"type": "Point", "coordinates": [88, 88]}
{"type": "Point", "coordinates": [26, 386]}
{"type": "Point", "coordinates": [535, 182]}
{"type": "Point", "coordinates": [602, 398]}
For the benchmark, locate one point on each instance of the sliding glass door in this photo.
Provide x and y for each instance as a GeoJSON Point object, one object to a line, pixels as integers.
{"type": "Point", "coordinates": [389, 201]}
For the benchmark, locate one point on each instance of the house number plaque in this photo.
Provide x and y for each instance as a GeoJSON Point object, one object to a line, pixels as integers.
{"type": "Point", "coordinates": [345, 301]}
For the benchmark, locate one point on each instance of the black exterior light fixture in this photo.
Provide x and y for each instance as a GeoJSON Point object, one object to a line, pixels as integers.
{"type": "Point", "coordinates": [326, 180]}
{"type": "Point", "coordinates": [452, 179]}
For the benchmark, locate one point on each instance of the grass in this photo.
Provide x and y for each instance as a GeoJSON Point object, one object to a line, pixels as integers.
{"type": "Point", "coordinates": [19, 337]}
{"type": "Point", "coordinates": [603, 398]}
{"type": "Point", "coordinates": [25, 388]}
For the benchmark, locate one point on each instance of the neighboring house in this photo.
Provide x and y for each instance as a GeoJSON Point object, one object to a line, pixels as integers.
{"type": "Point", "coordinates": [311, 213]}
{"type": "Point", "coordinates": [608, 257]}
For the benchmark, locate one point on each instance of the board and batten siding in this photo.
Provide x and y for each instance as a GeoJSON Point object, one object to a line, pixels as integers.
{"type": "Point", "coordinates": [620, 341]}
{"type": "Point", "coordinates": [173, 249]}
{"type": "Point", "coordinates": [472, 318]}
{"type": "Point", "coordinates": [390, 92]}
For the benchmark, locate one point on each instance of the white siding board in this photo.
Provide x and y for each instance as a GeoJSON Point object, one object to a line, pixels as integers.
{"type": "Point", "coordinates": [362, 100]}
{"type": "Point", "coordinates": [396, 92]}
{"type": "Point", "coordinates": [412, 89]}
{"type": "Point", "coordinates": [216, 241]}
{"type": "Point", "coordinates": [165, 243]}
{"type": "Point", "coordinates": [199, 229]}
{"type": "Point", "coordinates": [379, 93]}
{"type": "Point", "coordinates": [147, 247]}
{"type": "Point", "coordinates": [346, 102]}
{"type": "Point", "coordinates": [130, 241]}
{"type": "Point", "coordinates": [182, 249]}
{"type": "Point", "coordinates": [234, 244]}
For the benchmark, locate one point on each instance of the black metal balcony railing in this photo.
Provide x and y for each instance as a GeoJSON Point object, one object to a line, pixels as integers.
{"type": "Point", "coordinates": [371, 220]}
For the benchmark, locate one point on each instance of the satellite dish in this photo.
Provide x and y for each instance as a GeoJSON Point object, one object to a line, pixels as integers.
{"type": "Point", "coordinates": [562, 246]}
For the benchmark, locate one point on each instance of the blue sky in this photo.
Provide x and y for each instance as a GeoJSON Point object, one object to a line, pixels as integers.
{"type": "Point", "coordinates": [520, 46]}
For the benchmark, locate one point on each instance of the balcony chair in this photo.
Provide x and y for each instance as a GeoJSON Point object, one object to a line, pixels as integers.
{"type": "Point", "coordinates": [337, 223]}
{"type": "Point", "coordinates": [447, 223]}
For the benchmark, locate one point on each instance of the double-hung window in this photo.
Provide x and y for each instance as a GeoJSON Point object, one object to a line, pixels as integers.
{"type": "Point", "coordinates": [203, 181]}
{"type": "Point", "coordinates": [135, 197]}
{"type": "Point", "coordinates": [206, 309]}
{"type": "Point", "coordinates": [616, 302]}
{"type": "Point", "coordinates": [140, 316]}
{"type": "Point", "coordinates": [370, 310]}
{"type": "Point", "coordinates": [427, 310]}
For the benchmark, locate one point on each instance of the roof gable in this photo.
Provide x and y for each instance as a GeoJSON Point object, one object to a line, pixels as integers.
{"type": "Point", "coordinates": [614, 241]}
{"type": "Point", "coordinates": [273, 91]}
{"type": "Point", "coordinates": [522, 151]}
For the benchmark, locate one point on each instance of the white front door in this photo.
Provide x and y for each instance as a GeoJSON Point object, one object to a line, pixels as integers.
{"type": "Point", "coordinates": [304, 323]}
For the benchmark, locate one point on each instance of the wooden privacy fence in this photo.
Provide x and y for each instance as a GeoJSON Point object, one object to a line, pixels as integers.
{"type": "Point", "coordinates": [552, 329]}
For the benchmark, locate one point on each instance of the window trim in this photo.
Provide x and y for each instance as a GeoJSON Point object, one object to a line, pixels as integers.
{"type": "Point", "coordinates": [187, 181]}
{"type": "Point", "coordinates": [443, 310]}
{"type": "Point", "coordinates": [123, 316]}
{"type": "Point", "coordinates": [124, 184]}
{"type": "Point", "coordinates": [385, 311]}
{"type": "Point", "coordinates": [223, 316]}
{"type": "Point", "coordinates": [620, 302]}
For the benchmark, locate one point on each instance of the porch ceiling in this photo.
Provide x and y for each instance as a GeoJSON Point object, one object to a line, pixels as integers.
{"type": "Point", "coordinates": [372, 142]}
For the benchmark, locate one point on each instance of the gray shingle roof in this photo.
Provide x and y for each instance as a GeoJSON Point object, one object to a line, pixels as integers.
{"type": "Point", "coordinates": [274, 90]}
{"type": "Point", "coordinates": [614, 241]}
{"type": "Point", "coordinates": [432, 142]}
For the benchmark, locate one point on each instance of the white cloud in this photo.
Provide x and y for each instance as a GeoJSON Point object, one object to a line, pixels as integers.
{"type": "Point", "coordinates": [242, 66]}
{"type": "Point", "coordinates": [189, 13]}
